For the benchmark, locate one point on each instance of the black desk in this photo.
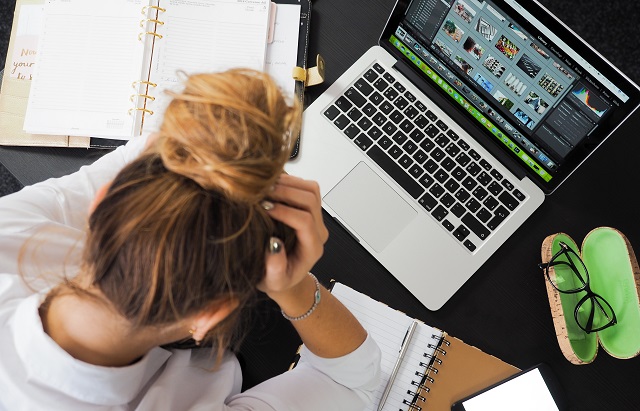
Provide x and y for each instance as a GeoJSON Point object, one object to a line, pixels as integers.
{"type": "Point", "coordinates": [503, 308]}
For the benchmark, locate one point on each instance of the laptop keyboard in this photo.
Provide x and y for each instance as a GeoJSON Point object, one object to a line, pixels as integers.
{"type": "Point", "coordinates": [439, 169]}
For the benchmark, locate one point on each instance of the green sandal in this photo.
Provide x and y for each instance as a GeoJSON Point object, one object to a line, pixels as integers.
{"type": "Point", "coordinates": [605, 289]}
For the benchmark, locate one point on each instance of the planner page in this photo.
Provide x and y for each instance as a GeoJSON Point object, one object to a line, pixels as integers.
{"type": "Point", "coordinates": [201, 36]}
{"type": "Point", "coordinates": [388, 327]}
{"type": "Point", "coordinates": [89, 53]}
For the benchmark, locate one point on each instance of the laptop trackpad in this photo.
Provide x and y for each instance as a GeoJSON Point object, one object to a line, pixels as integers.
{"type": "Point", "coordinates": [370, 207]}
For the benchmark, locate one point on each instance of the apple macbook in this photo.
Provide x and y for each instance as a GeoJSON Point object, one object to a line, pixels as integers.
{"type": "Point", "coordinates": [439, 142]}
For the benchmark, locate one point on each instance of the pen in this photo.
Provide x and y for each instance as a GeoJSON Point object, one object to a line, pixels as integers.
{"type": "Point", "coordinates": [396, 367]}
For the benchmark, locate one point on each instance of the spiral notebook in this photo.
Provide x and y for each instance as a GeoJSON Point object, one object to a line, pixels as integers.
{"type": "Point", "coordinates": [436, 370]}
{"type": "Point", "coordinates": [102, 66]}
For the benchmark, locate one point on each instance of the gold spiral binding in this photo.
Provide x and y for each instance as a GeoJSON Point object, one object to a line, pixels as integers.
{"type": "Point", "coordinates": [148, 32]}
{"type": "Point", "coordinates": [420, 386]}
{"type": "Point", "coordinates": [133, 96]}
{"type": "Point", "coordinates": [160, 9]}
{"type": "Point", "coordinates": [412, 405]}
{"type": "Point", "coordinates": [434, 358]}
{"type": "Point", "coordinates": [145, 21]}
{"type": "Point", "coordinates": [135, 83]}
{"type": "Point", "coordinates": [131, 110]}
{"type": "Point", "coordinates": [416, 395]}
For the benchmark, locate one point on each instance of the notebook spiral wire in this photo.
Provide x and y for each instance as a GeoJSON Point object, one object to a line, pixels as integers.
{"type": "Point", "coordinates": [428, 371]}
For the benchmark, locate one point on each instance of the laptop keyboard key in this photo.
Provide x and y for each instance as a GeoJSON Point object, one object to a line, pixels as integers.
{"type": "Point", "coordinates": [420, 156]}
{"type": "Point", "coordinates": [395, 151]}
{"type": "Point", "coordinates": [405, 161]}
{"type": "Point", "coordinates": [436, 190]}
{"type": "Point", "coordinates": [507, 184]}
{"type": "Point", "coordinates": [426, 180]}
{"type": "Point", "coordinates": [374, 132]}
{"type": "Point", "coordinates": [371, 75]}
{"type": "Point", "coordinates": [411, 112]}
{"type": "Point", "coordinates": [447, 224]}
{"type": "Point", "coordinates": [352, 131]}
{"type": "Point", "coordinates": [385, 142]}
{"type": "Point", "coordinates": [380, 84]}
{"type": "Point", "coordinates": [376, 98]}
{"type": "Point", "coordinates": [341, 122]}
{"type": "Point", "coordinates": [476, 226]}
{"type": "Point", "coordinates": [447, 200]}
{"type": "Point", "coordinates": [470, 246]}
{"type": "Point", "coordinates": [421, 121]}
{"type": "Point", "coordinates": [354, 114]}
{"type": "Point", "coordinates": [364, 124]}
{"type": "Point", "coordinates": [355, 97]}
{"type": "Point", "coordinates": [363, 142]}
{"type": "Point", "coordinates": [453, 135]}
{"type": "Point", "coordinates": [442, 125]}
{"type": "Point", "coordinates": [494, 188]}
{"type": "Point", "coordinates": [369, 110]}
{"type": "Point", "coordinates": [390, 93]}
{"type": "Point", "coordinates": [458, 210]}
{"type": "Point", "coordinates": [377, 67]}
{"type": "Point", "coordinates": [395, 171]}
{"type": "Point", "coordinates": [401, 103]}
{"type": "Point", "coordinates": [431, 116]}
{"type": "Point", "coordinates": [499, 216]}
{"type": "Point", "coordinates": [461, 232]}
{"type": "Point", "coordinates": [439, 213]}
{"type": "Point", "coordinates": [428, 202]}
{"type": "Point", "coordinates": [331, 112]}
{"type": "Point", "coordinates": [484, 178]}
{"type": "Point", "coordinates": [343, 104]}
{"type": "Point", "coordinates": [472, 205]}
{"type": "Point", "coordinates": [517, 194]}
{"type": "Point", "coordinates": [416, 135]}
{"type": "Point", "coordinates": [508, 200]}
{"type": "Point", "coordinates": [463, 159]}
{"type": "Point", "coordinates": [462, 195]}
{"type": "Point", "coordinates": [484, 215]}
{"type": "Point", "coordinates": [463, 145]}
{"type": "Point", "coordinates": [427, 145]}
{"type": "Point", "coordinates": [437, 154]}
{"type": "Point", "coordinates": [448, 164]}
{"type": "Point", "coordinates": [364, 87]}
{"type": "Point", "coordinates": [416, 171]}
{"type": "Point", "coordinates": [496, 174]}
{"type": "Point", "coordinates": [485, 164]}
{"type": "Point", "coordinates": [490, 202]}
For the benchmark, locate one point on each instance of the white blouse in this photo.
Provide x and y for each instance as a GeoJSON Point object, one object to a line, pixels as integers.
{"type": "Point", "coordinates": [36, 374]}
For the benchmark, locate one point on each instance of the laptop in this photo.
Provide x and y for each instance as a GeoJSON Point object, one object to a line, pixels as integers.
{"type": "Point", "coordinates": [440, 141]}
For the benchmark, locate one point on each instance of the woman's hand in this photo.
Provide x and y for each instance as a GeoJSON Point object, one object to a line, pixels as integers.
{"type": "Point", "coordinates": [298, 204]}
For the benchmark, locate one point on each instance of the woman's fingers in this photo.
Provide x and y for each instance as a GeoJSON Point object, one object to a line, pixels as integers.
{"type": "Point", "coordinates": [301, 194]}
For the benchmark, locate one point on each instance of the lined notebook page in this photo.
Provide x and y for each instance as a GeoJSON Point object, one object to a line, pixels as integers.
{"type": "Point", "coordinates": [88, 56]}
{"type": "Point", "coordinates": [388, 328]}
{"type": "Point", "coordinates": [205, 36]}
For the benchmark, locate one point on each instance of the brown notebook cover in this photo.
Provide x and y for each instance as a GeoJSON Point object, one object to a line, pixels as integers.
{"type": "Point", "coordinates": [436, 369]}
{"type": "Point", "coordinates": [462, 370]}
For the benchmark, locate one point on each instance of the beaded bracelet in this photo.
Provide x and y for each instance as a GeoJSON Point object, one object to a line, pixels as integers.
{"type": "Point", "coordinates": [316, 301]}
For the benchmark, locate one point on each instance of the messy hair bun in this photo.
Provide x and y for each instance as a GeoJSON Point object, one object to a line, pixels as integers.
{"type": "Point", "coordinates": [231, 132]}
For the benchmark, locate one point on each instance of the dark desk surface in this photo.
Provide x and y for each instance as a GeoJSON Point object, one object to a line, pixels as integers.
{"type": "Point", "coordinates": [503, 309]}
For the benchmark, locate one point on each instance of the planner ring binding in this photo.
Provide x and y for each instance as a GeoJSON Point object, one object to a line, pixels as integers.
{"type": "Point", "coordinates": [143, 86]}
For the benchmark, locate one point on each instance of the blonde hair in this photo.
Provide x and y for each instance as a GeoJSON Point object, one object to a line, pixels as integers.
{"type": "Point", "coordinates": [181, 228]}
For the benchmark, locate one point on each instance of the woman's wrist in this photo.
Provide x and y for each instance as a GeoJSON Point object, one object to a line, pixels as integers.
{"type": "Point", "coordinates": [300, 300]}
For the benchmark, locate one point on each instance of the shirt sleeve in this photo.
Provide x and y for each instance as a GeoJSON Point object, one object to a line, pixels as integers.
{"type": "Point", "coordinates": [319, 384]}
{"type": "Point", "coordinates": [51, 216]}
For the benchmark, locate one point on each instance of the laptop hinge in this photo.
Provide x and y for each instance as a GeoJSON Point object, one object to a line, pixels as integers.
{"type": "Point", "coordinates": [461, 118]}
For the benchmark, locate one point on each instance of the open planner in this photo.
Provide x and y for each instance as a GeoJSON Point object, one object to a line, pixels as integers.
{"type": "Point", "coordinates": [436, 369]}
{"type": "Point", "coordinates": [103, 67]}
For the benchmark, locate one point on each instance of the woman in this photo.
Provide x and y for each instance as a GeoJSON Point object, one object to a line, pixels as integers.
{"type": "Point", "coordinates": [182, 232]}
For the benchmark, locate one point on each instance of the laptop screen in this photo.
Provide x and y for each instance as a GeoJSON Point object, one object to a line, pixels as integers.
{"type": "Point", "coordinates": [537, 91]}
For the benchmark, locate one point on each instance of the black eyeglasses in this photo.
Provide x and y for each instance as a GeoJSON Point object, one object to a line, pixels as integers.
{"type": "Point", "coordinates": [592, 312]}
